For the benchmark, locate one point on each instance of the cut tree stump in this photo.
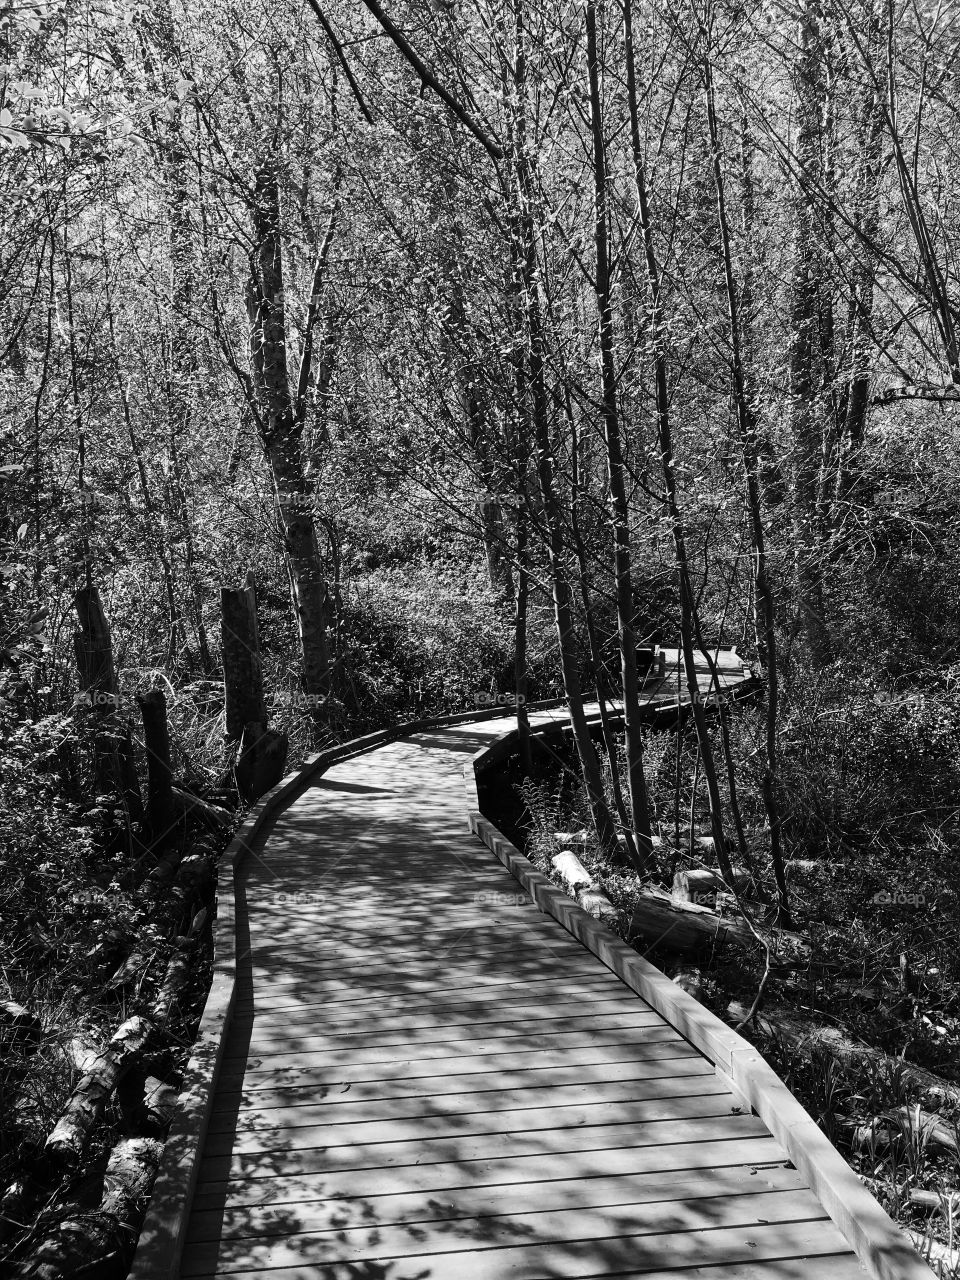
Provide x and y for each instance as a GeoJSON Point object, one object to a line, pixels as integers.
{"type": "Point", "coordinates": [261, 761]}
{"type": "Point", "coordinates": [160, 815]}
{"type": "Point", "coordinates": [243, 697]}
{"type": "Point", "coordinates": [93, 646]}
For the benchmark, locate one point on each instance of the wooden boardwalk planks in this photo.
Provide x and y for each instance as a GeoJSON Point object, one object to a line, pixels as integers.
{"type": "Point", "coordinates": [426, 1077]}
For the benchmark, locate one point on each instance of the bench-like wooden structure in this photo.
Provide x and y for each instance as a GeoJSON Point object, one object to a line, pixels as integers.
{"type": "Point", "coordinates": [419, 1059]}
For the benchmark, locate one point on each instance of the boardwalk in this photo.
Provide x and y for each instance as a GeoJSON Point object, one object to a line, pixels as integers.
{"type": "Point", "coordinates": [426, 1077]}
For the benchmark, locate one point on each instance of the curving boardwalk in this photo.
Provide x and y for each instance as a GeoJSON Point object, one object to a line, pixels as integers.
{"type": "Point", "coordinates": [428, 1077]}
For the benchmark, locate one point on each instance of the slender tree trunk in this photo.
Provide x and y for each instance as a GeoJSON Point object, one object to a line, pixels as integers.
{"type": "Point", "coordinates": [806, 409]}
{"type": "Point", "coordinates": [281, 430]}
{"type": "Point", "coordinates": [521, 601]}
{"type": "Point", "coordinates": [867, 213]}
{"type": "Point", "coordinates": [666, 450]}
{"type": "Point", "coordinates": [526, 267]}
{"type": "Point", "coordinates": [750, 451]}
{"type": "Point", "coordinates": [633, 732]}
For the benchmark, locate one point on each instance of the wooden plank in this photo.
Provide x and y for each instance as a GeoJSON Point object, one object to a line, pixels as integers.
{"type": "Point", "coordinates": [503, 1171]}
{"type": "Point", "coordinates": [471, 1124]}
{"type": "Point", "coordinates": [823, 1267]}
{"type": "Point", "coordinates": [619, 1223]}
{"type": "Point", "coordinates": [481, 987]}
{"type": "Point", "coordinates": [671, 1084]}
{"type": "Point", "coordinates": [672, 1060]}
{"type": "Point", "coordinates": [285, 1066]}
{"type": "Point", "coordinates": [563, 959]}
{"type": "Point", "coordinates": [602, 996]}
{"type": "Point", "coordinates": [424, 1150]}
{"type": "Point", "coordinates": [306, 1035]}
{"type": "Point", "coordinates": [560, 1194]}
{"type": "Point", "coordinates": [604, 1256]}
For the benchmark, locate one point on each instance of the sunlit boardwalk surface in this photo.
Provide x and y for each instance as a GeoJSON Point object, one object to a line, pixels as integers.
{"type": "Point", "coordinates": [426, 1077]}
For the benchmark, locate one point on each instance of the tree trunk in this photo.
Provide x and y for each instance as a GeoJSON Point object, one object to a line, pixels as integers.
{"type": "Point", "coordinates": [260, 762]}
{"type": "Point", "coordinates": [520, 645]}
{"type": "Point", "coordinates": [242, 668]}
{"type": "Point", "coordinates": [153, 709]}
{"type": "Point", "coordinates": [688, 619]}
{"type": "Point", "coordinates": [281, 431]}
{"type": "Point", "coordinates": [806, 408]}
{"type": "Point", "coordinates": [751, 454]}
{"type": "Point", "coordinates": [536, 351]}
{"type": "Point", "coordinates": [93, 646]}
{"type": "Point", "coordinates": [633, 733]}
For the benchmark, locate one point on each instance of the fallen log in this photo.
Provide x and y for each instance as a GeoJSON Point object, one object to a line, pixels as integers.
{"type": "Point", "coordinates": [806, 1035]}
{"type": "Point", "coordinates": [189, 807]}
{"type": "Point", "coordinates": [930, 1129]}
{"type": "Point", "coordinates": [935, 1199]}
{"type": "Point", "coordinates": [158, 1106]}
{"type": "Point", "coordinates": [178, 971]}
{"type": "Point", "coordinates": [686, 926]}
{"type": "Point", "coordinates": [66, 1144]}
{"type": "Point", "coordinates": [690, 883]}
{"type": "Point", "coordinates": [571, 872]}
{"type": "Point", "coordinates": [682, 926]}
{"type": "Point", "coordinates": [105, 1237]}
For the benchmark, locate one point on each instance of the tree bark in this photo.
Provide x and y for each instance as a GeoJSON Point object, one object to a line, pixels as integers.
{"type": "Point", "coordinates": [688, 620]}
{"type": "Point", "coordinates": [633, 732]}
{"type": "Point", "coordinates": [242, 667]}
{"type": "Point", "coordinates": [153, 709]}
{"type": "Point", "coordinates": [806, 409]}
{"type": "Point", "coordinates": [281, 431]}
{"type": "Point", "coordinates": [749, 440]}
{"type": "Point", "coordinates": [106, 1237]}
{"type": "Point", "coordinates": [536, 350]}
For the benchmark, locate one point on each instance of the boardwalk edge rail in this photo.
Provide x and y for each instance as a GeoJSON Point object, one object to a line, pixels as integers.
{"type": "Point", "coordinates": [878, 1242]}
{"type": "Point", "coordinates": [162, 1236]}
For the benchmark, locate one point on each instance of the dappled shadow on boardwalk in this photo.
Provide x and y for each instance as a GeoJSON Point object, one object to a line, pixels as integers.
{"type": "Point", "coordinates": [428, 1078]}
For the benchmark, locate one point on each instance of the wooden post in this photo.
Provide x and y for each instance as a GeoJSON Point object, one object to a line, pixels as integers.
{"type": "Point", "coordinates": [242, 669]}
{"type": "Point", "coordinates": [153, 709]}
{"type": "Point", "coordinates": [94, 649]}
{"type": "Point", "coordinates": [113, 748]}
{"type": "Point", "coordinates": [260, 761]}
